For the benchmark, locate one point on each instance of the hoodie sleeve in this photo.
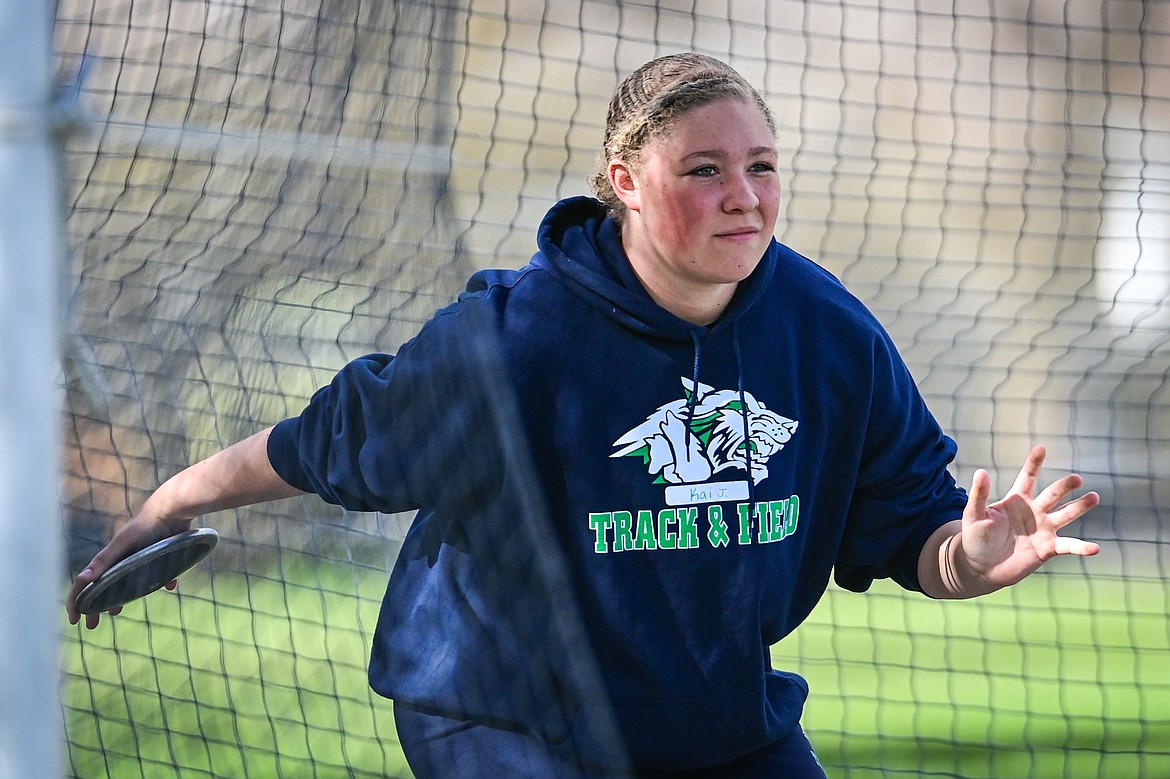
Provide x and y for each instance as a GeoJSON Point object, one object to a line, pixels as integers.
{"type": "Point", "coordinates": [399, 433]}
{"type": "Point", "coordinates": [904, 491]}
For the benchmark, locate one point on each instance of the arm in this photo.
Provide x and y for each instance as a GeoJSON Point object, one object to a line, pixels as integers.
{"type": "Point", "coordinates": [237, 476]}
{"type": "Point", "coordinates": [997, 545]}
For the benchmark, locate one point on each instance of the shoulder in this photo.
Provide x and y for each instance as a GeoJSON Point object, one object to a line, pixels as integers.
{"type": "Point", "coordinates": [816, 295]}
{"type": "Point", "coordinates": [500, 312]}
{"type": "Point", "coordinates": [501, 282]}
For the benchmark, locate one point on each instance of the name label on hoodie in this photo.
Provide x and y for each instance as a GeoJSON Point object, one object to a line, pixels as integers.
{"type": "Point", "coordinates": [713, 492]}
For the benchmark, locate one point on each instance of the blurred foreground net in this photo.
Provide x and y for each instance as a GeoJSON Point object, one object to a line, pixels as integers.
{"type": "Point", "coordinates": [265, 190]}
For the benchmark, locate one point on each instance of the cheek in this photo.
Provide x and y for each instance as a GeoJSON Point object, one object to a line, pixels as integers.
{"type": "Point", "coordinates": [678, 215]}
{"type": "Point", "coordinates": [698, 207]}
{"type": "Point", "coordinates": [770, 203]}
{"type": "Point", "coordinates": [770, 193]}
{"type": "Point", "coordinates": [673, 233]}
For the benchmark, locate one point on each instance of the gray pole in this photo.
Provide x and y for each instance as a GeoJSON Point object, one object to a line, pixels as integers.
{"type": "Point", "coordinates": [31, 614]}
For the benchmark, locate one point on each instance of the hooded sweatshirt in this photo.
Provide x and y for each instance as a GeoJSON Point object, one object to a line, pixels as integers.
{"type": "Point", "coordinates": [619, 512]}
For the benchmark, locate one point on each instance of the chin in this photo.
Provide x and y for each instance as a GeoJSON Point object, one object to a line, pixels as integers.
{"type": "Point", "coordinates": [743, 269]}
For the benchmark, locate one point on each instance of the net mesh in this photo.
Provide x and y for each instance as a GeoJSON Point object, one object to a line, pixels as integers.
{"type": "Point", "coordinates": [263, 190]}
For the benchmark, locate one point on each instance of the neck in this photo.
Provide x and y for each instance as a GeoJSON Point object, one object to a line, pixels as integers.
{"type": "Point", "coordinates": [700, 303]}
{"type": "Point", "coordinates": [699, 306]}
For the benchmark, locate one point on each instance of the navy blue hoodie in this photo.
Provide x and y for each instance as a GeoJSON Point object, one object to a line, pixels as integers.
{"type": "Point", "coordinates": [620, 511]}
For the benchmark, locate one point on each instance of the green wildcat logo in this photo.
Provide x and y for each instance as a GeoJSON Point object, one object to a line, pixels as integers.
{"type": "Point", "coordinates": [675, 453]}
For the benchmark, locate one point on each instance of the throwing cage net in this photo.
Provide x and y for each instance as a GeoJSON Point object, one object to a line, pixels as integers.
{"type": "Point", "coordinates": [260, 191]}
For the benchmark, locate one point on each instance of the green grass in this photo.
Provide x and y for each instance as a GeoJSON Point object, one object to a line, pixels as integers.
{"type": "Point", "coordinates": [262, 677]}
{"type": "Point", "coordinates": [1058, 677]}
{"type": "Point", "coordinates": [254, 678]}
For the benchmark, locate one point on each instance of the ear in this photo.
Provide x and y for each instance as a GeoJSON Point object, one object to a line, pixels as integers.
{"type": "Point", "coordinates": [625, 184]}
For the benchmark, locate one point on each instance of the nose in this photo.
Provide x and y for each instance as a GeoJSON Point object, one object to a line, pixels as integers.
{"type": "Point", "coordinates": [739, 195]}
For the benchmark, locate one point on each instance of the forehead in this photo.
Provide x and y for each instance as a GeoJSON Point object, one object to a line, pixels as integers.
{"type": "Point", "coordinates": [720, 124]}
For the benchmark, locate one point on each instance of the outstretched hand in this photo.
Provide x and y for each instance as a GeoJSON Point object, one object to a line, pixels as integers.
{"type": "Point", "coordinates": [999, 544]}
{"type": "Point", "coordinates": [1005, 541]}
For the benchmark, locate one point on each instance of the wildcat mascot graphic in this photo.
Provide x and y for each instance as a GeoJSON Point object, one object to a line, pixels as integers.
{"type": "Point", "coordinates": [691, 439]}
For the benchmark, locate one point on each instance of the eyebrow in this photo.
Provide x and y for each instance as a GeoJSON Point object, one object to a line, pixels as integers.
{"type": "Point", "coordinates": [753, 152]}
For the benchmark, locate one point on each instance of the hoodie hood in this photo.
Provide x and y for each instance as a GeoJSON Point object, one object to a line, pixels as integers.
{"type": "Point", "coordinates": [582, 246]}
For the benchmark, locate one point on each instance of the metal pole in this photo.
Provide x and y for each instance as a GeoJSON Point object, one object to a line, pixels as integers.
{"type": "Point", "coordinates": [31, 614]}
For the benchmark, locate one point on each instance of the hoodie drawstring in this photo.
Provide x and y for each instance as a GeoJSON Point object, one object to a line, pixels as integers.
{"type": "Point", "coordinates": [694, 399]}
{"type": "Point", "coordinates": [697, 344]}
{"type": "Point", "coordinates": [747, 438]}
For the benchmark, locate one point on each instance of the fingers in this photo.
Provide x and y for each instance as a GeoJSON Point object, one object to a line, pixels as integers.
{"type": "Point", "coordinates": [975, 515]}
{"type": "Point", "coordinates": [1073, 510]}
{"type": "Point", "coordinates": [92, 620]}
{"type": "Point", "coordinates": [980, 492]}
{"type": "Point", "coordinates": [1076, 546]}
{"type": "Point", "coordinates": [111, 554]}
{"type": "Point", "coordinates": [1025, 483]}
{"type": "Point", "coordinates": [1054, 494]}
{"type": "Point", "coordinates": [1049, 501]}
{"type": "Point", "coordinates": [131, 537]}
{"type": "Point", "coordinates": [97, 566]}
{"type": "Point", "coordinates": [79, 582]}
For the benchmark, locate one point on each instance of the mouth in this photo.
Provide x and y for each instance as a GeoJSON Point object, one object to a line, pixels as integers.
{"type": "Point", "coordinates": [739, 234]}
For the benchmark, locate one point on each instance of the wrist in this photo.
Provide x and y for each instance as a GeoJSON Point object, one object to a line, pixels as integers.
{"type": "Point", "coordinates": [944, 569]}
{"type": "Point", "coordinates": [165, 507]}
{"type": "Point", "coordinates": [959, 578]}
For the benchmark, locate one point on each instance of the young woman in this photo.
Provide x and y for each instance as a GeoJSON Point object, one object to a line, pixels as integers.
{"type": "Point", "coordinates": [636, 461]}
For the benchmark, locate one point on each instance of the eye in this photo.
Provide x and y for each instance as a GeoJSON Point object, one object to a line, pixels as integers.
{"type": "Point", "coordinates": [763, 167]}
{"type": "Point", "coordinates": [704, 171]}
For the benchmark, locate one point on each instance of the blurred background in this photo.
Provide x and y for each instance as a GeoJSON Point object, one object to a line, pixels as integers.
{"type": "Point", "coordinates": [262, 190]}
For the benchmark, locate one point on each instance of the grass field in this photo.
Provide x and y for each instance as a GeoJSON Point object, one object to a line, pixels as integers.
{"type": "Point", "coordinates": [1061, 676]}
{"type": "Point", "coordinates": [258, 677]}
